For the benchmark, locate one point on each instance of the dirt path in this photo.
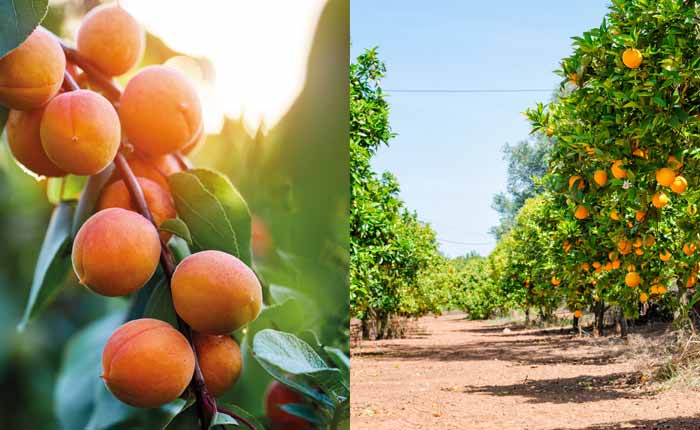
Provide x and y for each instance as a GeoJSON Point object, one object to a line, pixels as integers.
{"type": "Point", "coordinates": [471, 375]}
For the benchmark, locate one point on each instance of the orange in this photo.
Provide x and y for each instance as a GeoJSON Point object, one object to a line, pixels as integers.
{"type": "Point", "coordinates": [632, 58]}
{"type": "Point", "coordinates": [617, 170]}
{"type": "Point", "coordinates": [639, 251]}
{"type": "Point", "coordinates": [692, 280]}
{"type": "Point", "coordinates": [665, 176]}
{"type": "Point", "coordinates": [637, 242]}
{"type": "Point", "coordinates": [574, 179]}
{"type": "Point", "coordinates": [688, 249]}
{"type": "Point", "coordinates": [661, 289]}
{"type": "Point", "coordinates": [555, 281]}
{"type": "Point", "coordinates": [659, 200]}
{"type": "Point", "coordinates": [664, 255]}
{"type": "Point", "coordinates": [585, 267]}
{"type": "Point", "coordinates": [624, 246]}
{"type": "Point", "coordinates": [632, 279]}
{"type": "Point", "coordinates": [643, 298]}
{"type": "Point", "coordinates": [616, 263]}
{"type": "Point", "coordinates": [549, 131]}
{"type": "Point", "coordinates": [679, 184]}
{"type": "Point", "coordinates": [650, 241]}
{"type": "Point", "coordinates": [567, 247]}
{"type": "Point", "coordinates": [614, 215]}
{"type": "Point", "coordinates": [674, 163]}
{"type": "Point", "coordinates": [581, 212]}
{"type": "Point", "coordinates": [600, 177]}
{"type": "Point", "coordinates": [640, 215]}
{"type": "Point", "coordinates": [577, 314]}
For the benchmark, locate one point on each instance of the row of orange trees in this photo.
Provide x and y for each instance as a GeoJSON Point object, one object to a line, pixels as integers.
{"type": "Point", "coordinates": [616, 224]}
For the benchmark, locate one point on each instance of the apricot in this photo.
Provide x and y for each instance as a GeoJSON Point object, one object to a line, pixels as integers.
{"type": "Point", "coordinates": [215, 292]}
{"type": "Point", "coordinates": [24, 140]}
{"type": "Point", "coordinates": [276, 395]}
{"type": "Point", "coordinates": [160, 111]}
{"type": "Point", "coordinates": [80, 132]}
{"type": "Point", "coordinates": [220, 360]}
{"type": "Point", "coordinates": [32, 73]}
{"type": "Point", "coordinates": [112, 39]}
{"type": "Point", "coordinates": [147, 363]}
{"type": "Point", "coordinates": [159, 201]}
{"type": "Point", "coordinates": [157, 169]}
{"type": "Point", "coordinates": [115, 252]}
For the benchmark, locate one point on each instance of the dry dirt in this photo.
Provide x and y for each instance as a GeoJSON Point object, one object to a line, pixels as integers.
{"type": "Point", "coordinates": [457, 374]}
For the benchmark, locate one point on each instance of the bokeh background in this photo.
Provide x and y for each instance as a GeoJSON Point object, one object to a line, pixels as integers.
{"type": "Point", "coordinates": [274, 83]}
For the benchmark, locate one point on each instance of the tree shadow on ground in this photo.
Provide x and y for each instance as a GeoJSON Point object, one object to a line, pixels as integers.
{"type": "Point", "coordinates": [679, 423]}
{"type": "Point", "coordinates": [532, 352]}
{"type": "Point", "coordinates": [580, 389]}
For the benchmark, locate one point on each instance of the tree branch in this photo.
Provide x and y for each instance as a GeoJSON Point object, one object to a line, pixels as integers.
{"type": "Point", "coordinates": [236, 417]}
{"type": "Point", "coordinates": [205, 401]}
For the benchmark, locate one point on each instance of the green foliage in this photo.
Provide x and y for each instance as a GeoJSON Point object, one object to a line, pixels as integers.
{"type": "Point", "coordinates": [473, 289]}
{"type": "Point", "coordinates": [18, 18]}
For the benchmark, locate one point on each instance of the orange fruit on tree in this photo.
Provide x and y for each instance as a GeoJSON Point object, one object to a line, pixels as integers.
{"type": "Point", "coordinates": [574, 179]}
{"type": "Point", "coordinates": [624, 246]}
{"type": "Point", "coordinates": [692, 280]}
{"type": "Point", "coordinates": [616, 263]}
{"type": "Point", "coordinates": [567, 246]}
{"type": "Point", "coordinates": [555, 281]}
{"type": "Point", "coordinates": [688, 249]}
{"type": "Point", "coordinates": [581, 212]}
{"type": "Point", "coordinates": [573, 78]}
{"type": "Point", "coordinates": [614, 215]}
{"type": "Point", "coordinates": [679, 184]}
{"type": "Point", "coordinates": [608, 266]}
{"type": "Point", "coordinates": [674, 163]}
{"type": "Point", "coordinates": [640, 215]}
{"type": "Point", "coordinates": [632, 58]}
{"type": "Point", "coordinates": [632, 279]}
{"type": "Point", "coordinates": [643, 298]}
{"type": "Point", "coordinates": [650, 241]}
{"type": "Point", "coordinates": [637, 242]}
{"type": "Point", "coordinates": [585, 267]}
{"type": "Point", "coordinates": [600, 177]}
{"type": "Point", "coordinates": [659, 200]}
{"type": "Point", "coordinates": [664, 255]}
{"type": "Point", "coordinates": [653, 289]}
{"type": "Point", "coordinates": [617, 170]}
{"type": "Point", "coordinates": [577, 314]}
{"type": "Point", "coordinates": [596, 264]}
{"type": "Point", "coordinates": [549, 131]}
{"type": "Point", "coordinates": [661, 289]}
{"type": "Point", "coordinates": [639, 251]}
{"type": "Point", "coordinates": [640, 153]}
{"type": "Point", "coordinates": [665, 176]}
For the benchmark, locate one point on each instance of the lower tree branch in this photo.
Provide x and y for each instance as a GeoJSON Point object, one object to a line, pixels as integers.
{"type": "Point", "coordinates": [236, 417]}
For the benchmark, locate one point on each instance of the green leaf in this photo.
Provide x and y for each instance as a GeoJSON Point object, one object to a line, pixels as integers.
{"type": "Point", "coordinates": [160, 305]}
{"type": "Point", "coordinates": [303, 411]}
{"type": "Point", "coordinates": [177, 227]}
{"type": "Point", "coordinates": [66, 188]}
{"type": "Point", "coordinates": [79, 375]}
{"type": "Point", "coordinates": [53, 264]}
{"type": "Point", "coordinates": [89, 197]}
{"type": "Point", "coordinates": [18, 18]}
{"type": "Point", "coordinates": [222, 419]}
{"type": "Point", "coordinates": [245, 415]}
{"type": "Point", "coordinates": [215, 213]}
{"type": "Point", "coordinates": [339, 358]}
{"type": "Point", "coordinates": [179, 248]}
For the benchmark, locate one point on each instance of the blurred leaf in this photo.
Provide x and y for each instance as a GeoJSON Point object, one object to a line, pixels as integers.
{"type": "Point", "coordinates": [53, 264]}
{"type": "Point", "coordinates": [79, 376]}
{"type": "Point", "coordinates": [340, 360]}
{"type": "Point", "coordinates": [112, 414]}
{"type": "Point", "coordinates": [245, 415]}
{"type": "Point", "coordinates": [160, 305]}
{"type": "Point", "coordinates": [18, 18]}
{"type": "Point", "coordinates": [143, 295]}
{"type": "Point", "coordinates": [178, 227]}
{"type": "Point", "coordinates": [66, 188]}
{"type": "Point", "coordinates": [303, 411]}
{"type": "Point", "coordinates": [216, 215]}
{"type": "Point", "coordinates": [89, 197]}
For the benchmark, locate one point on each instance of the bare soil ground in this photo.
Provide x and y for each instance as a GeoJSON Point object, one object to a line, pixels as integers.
{"type": "Point", "coordinates": [451, 373]}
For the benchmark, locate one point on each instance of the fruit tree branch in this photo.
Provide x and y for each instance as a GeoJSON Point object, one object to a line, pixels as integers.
{"type": "Point", "coordinates": [236, 417]}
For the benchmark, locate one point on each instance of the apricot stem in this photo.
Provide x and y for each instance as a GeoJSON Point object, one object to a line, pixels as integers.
{"type": "Point", "coordinates": [236, 417]}
{"type": "Point", "coordinates": [206, 402]}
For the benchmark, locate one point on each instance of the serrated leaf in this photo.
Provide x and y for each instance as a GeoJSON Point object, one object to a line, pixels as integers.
{"type": "Point", "coordinates": [177, 227]}
{"type": "Point", "coordinates": [53, 264]}
{"type": "Point", "coordinates": [18, 18]}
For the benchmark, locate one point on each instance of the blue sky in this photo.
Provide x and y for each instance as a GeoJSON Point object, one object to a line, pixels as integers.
{"type": "Point", "coordinates": [447, 155]}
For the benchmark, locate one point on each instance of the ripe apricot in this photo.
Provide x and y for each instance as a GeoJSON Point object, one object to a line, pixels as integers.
{"type": "Point", "coordinates": [665, 176]}
{"type": "Point", "coordinates": [111, 38]}
{"type": "Point", "coordinates": [157, 169]}
{"type": "Point", "coordinates": [262, 240]}
{"type": "Point", "coordinates": [581, 212]}
{"type": "Point", "coordinates": [32, 73]}
{"type": "Point", "coordinates": [632, 58]}
{"type": "Point", "coordinates": [617, 170]}
{"type": "Point", "coordinates": [600, 177]}
{"type": "Point", "coordinates": [115, 252]}
{"type": "Point", "coordinates": [659, 200]}
{"type": "Point", "coordinates": [679, 184]}
{"type": "Point", "coordinates": [160, 202]}
{"type": "Point", "coordinates": [276, 395]}
{"type": "Point", "coordinates": [220, 360]}
{"type": "Point", "coordinates": [147, 363]}
{"type": "Point", "coordinates": [160, 111]}
{"type": "Point", "coordinates": [24, 140]}
{"type": "Point", "coordinates": [80, 132]}
{"type": "Point", "coordinates": [215, 292]}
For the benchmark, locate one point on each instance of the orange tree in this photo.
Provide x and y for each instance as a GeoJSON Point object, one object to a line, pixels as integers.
{"type": "Point", "coordinates": [624, 163]}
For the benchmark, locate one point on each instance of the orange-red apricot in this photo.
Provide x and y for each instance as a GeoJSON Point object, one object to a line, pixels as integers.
{"type": "Point", "coordinates": [220, 359]}
{"type": "Point", "coordinates": [24, 140]}
{"type": "Point", "coordinates": [112, 39]}
{"type": "Point", "coordinates": [215, 292]}
{"type": "Point", "coordinates": [80, 132]}
{"type": "Point", "coordinates": [115, 252]}
{"type": "Point", "coordinates": [147, 363]}
{"type": "Point", "coordinates": [159, 201]}
{"type": "Point", "coordinates": [277, 395]}
{"type": "Point", "coordinates": [160, 111]}
{"type": "Point", "coordinates": [32, 73]}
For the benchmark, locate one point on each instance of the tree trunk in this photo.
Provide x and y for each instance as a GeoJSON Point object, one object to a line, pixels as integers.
{"type": "Point", "coordinates": [624, 328]}
{"type": "Point", "coordinates": [527, 315]}
{"type": "Point", "coordinates": [599, 324]}
{"type": "Point", "coordinates": [576, 324]}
